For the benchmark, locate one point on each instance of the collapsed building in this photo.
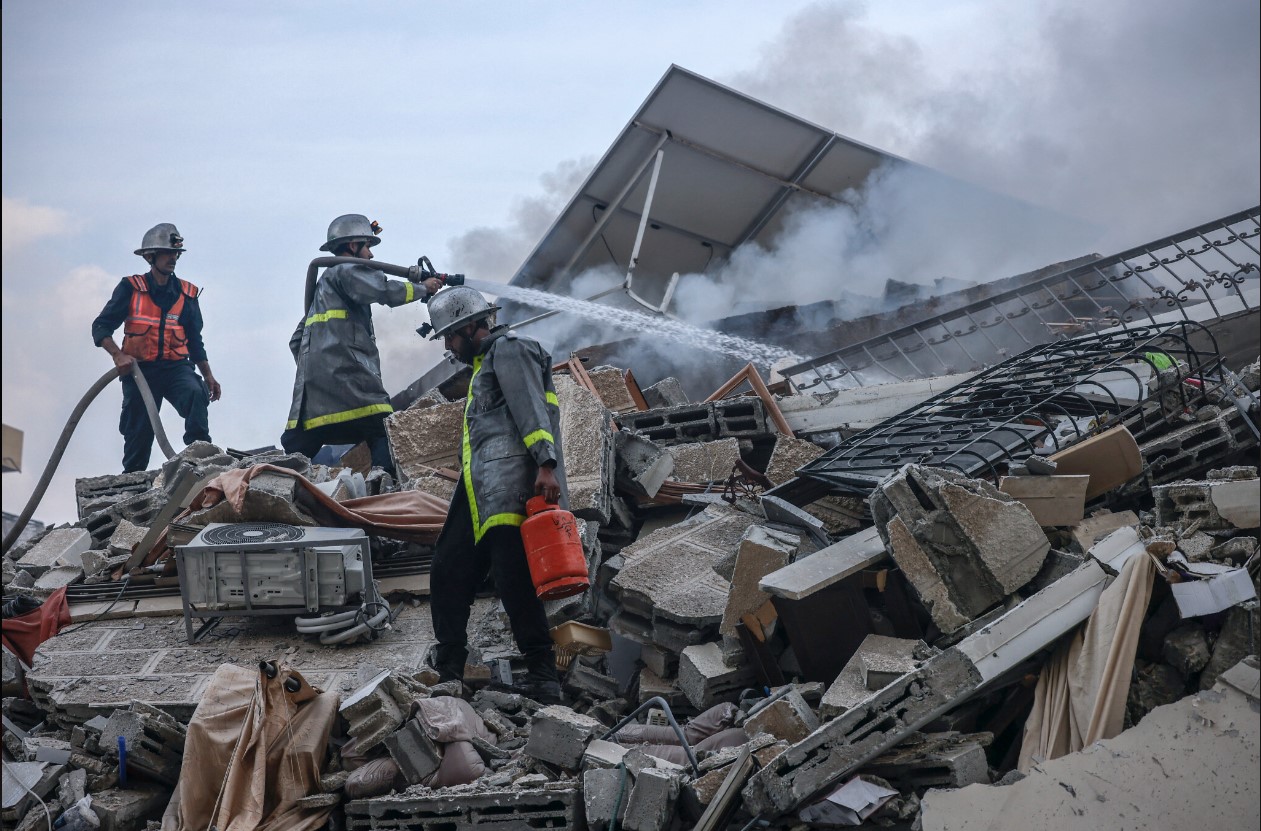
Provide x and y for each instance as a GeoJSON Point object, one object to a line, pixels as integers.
{"type": "Point", "coordinates": [970, 552]}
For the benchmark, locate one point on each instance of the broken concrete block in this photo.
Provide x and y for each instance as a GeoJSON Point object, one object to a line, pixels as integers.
{"type": "Point", "coordinates": [126, 810]}
{"type": "Point", "coordinates": [761, 552]}
{"type": "Point", "coordinates": [710, 461]}
{"type": "Point", "coordinates": [610, 386]}
{"type": "Point", "coordinates": [372, 712]}
{"type": "Point", "coordinates": [667, 392]}
{"type": "Point", "coordinates": [270, 497]}
{"type": "Point", "coordinates": [962, 544]}
{"type": "Point", "coordinates": [667, 590]}
{"type": "Point", "coordinates": [934, 760]}
{"type": "Point", "coordinates": [651, 804]}
{"type": "Point", "coordinates": [1097, 526]}
{"type": "Point", "coordinates": [1186, 649]}
{"type": "Point", "coordinates": [425, 438]}
{"type": "Point", "coordinates": [850, 687]}
{"type": "Point", "coordinates": [705, 678]}
{"type": "Point", "coordinates": [1237, 640]}
{"type": "Point", "coordinates": [416, 755]}
{"type": "Point", "coordinates": [1216, 504]}
{"type": "Point", "coordinates": [125, 538]}
{"type": "Point", "coordinates": [662, 662]}
{"type": "Point", "coordinates": [602, 754]}
{"type": "Point", "coordinates": [587, 438]}
{"type": "Point", "coordinates": [58, 577]}
{"type": "Point", "coordinates": [788, 717]}
{"type": "Point", "coordinates": [642, 466]}
{"type": "Point", "coordinates": [560, 736]}
{"type": "Point", "coordinates": [600, 791]}
{"type": "Point", "coordinates": [59, 547]}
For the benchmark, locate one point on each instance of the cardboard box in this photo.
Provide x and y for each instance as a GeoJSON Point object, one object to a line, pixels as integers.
{"type": "Point", "coordinates": [12, 449]}
{"type": "Point", "coordinates": [1053, 500]}
{"type": "Point", "coordinates": [1110, 459]}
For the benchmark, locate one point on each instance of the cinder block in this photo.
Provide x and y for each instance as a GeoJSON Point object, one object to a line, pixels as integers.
{"type": "Point", "coordinates": [600, 788]}
{"type": "Point", "coordinates": [651, 804]}
{"type": "Point", "coordinates": [642, 466]}
{"type": "Point", "coordinates": [741, 418]}
{"type": "Point", "coordinates": [934, 760]}
{"type": "Point", "coordinates": [788, 717]}
{"type": "Point", "coordinates": [673, 425]}
{"type": "Point", "coordinates": [559, 735]}
{"type": "Point", "coordinates": [58, 577]}
{"type": "Point", "coordinates": [416, 755]}
{"type": "Point", "coordinates": [705, 678]}
{"type": "Point", "coordinates": [667, 392]}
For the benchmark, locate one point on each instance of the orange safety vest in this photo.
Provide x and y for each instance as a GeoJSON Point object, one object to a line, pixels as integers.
{"type": "Point", "coordinates": [149, 334]}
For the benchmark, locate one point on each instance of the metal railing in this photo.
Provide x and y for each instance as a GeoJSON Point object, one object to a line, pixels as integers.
{"type": "Point", "coordinates": [1203, 266]}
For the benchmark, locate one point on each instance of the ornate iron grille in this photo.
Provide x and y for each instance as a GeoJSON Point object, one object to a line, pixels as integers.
{"type": "Point", "coordinates": [1039, 402]}
{"type": "Point", "coordinates": [1207, 265]}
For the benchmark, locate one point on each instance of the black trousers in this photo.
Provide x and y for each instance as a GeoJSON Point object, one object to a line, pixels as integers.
{"type": "Point", "coordinates": [173, 381]}
{"type": "Point", "coordinates": [369, 428]}
{"type": "Point", "coordinates": [459, 567]}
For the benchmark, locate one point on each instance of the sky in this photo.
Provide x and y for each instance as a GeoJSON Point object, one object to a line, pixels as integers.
{"type": "Point", "coordinates": [464, 129]}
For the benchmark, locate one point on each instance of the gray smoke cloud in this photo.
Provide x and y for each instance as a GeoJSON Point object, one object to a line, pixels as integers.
{"type": "Point", "coordinates": [1140, 118]}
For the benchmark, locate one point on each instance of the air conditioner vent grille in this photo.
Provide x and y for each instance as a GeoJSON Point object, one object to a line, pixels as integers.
{"type": "Point", "coordinates": [250, 532]}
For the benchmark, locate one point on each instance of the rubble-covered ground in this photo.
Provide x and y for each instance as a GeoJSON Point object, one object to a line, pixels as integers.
{"type": "Point", "coordinates": [1057, 641]}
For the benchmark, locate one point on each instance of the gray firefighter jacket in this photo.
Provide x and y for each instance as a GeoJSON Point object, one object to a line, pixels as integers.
{"type": "Point", "coordinates": [511, 427]}
{"type": "Point", "coordinates": [339, 368]}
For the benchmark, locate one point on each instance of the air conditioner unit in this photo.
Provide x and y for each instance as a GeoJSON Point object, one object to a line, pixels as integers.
{"type": "Point", "coordinates": [268, 568]}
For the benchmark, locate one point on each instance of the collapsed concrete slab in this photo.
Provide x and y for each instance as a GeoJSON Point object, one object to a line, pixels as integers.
{"type": "Point", "coordinates": [887, 717]}
{"type": "Point", "coordinates": [851, 687]}
{"type": "Point", "coordinates": [1204, 751]}
{"type": "Point", "coordinates": [961, 543]}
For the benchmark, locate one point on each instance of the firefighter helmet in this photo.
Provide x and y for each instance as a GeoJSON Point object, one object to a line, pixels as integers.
{"type": "Point", "coordinates": [453, 307]}
{"type": "Point", "coordinates": [162, 237]}
{"type": "Point", "coordinates": [351, 228]}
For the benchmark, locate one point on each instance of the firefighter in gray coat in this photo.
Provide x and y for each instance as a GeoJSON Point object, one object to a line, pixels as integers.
{"type": "Point", "coordinates": [338, 396]}
{"type": "Point", "coordinates": [510, 452]}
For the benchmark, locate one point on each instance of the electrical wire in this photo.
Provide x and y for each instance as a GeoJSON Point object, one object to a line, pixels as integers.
{"type": "Point", "coordinates": [104, 612]}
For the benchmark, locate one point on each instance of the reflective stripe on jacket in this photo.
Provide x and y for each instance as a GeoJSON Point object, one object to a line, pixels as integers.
{"type": "Point", "coordinates": [339, 368]}
{"type": "Point", "coordinates": [150, 334]}
{"type": "Point", "coordinates": [511, 427]}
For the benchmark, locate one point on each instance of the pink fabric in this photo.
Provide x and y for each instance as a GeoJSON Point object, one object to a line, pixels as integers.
{"type": "Point", "coordinates": [406, 515]}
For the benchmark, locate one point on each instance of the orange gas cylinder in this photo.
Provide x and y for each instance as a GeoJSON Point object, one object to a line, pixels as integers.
{"type": "Point", "coordinates": [553, 550]}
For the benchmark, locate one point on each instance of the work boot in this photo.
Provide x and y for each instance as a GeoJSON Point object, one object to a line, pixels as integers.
{"type": "Point", "coordinates": [448, 662]}
{"type": "Point", "coordinates": [541, 683]}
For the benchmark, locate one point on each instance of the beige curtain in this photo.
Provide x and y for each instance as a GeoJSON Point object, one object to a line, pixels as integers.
{"type": "Point", "coordinates": [253, 750]}
{"type": "Point", "coordinates": [1081, 693]}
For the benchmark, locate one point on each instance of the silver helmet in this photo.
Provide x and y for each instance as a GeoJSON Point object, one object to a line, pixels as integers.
{"type": "Point", "coordinates": [350, 228]}
{"type": "Point", "coordinates": [455, 306]}
{"type": "Point", "coordinates": [162, 237]}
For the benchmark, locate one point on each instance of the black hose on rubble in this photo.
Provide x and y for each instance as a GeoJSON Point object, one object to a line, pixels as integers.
{"type": "Point", "coordinates": [66, 432]}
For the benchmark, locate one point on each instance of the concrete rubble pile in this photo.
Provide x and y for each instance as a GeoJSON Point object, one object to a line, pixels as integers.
{"type": "Point", "coordinates": [839, 663]}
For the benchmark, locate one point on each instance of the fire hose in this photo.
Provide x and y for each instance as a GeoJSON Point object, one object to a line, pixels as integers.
{"type": "Point", "coordinates": [66, 432]}
{"type": "Point", "coordinates": [419, 273]}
